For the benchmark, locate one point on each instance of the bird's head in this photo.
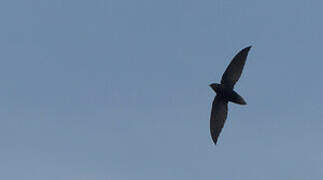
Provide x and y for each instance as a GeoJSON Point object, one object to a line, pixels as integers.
{"type": "Point", "coordinates": [215, 86]}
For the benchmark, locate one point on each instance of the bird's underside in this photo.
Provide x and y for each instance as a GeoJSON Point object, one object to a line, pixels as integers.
{"type": "Point", "coordinates": [225, 93]}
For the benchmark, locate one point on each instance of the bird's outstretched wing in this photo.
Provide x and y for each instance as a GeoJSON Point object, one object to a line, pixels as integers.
{"type": "Point", "coordinates": [234, 70]}
{"type": "Point", "coordinates": [218, 116]}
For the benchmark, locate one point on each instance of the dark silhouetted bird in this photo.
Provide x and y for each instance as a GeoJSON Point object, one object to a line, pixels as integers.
{"type": "Point", "coordinates": [225, 93]}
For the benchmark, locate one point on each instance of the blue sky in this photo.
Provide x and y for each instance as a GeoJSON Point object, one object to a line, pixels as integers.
{"type": "Point", "coordinates": [118, 89]}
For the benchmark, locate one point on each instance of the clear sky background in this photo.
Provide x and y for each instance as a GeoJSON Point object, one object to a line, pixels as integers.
{"type": "Point", "coordinates": [118, 89]}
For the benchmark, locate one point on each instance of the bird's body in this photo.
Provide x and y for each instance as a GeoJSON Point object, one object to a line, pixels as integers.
{"type": "Point", "coordinates": [225, 93]}
{"type": "Point", "coordinates": [228, 94]}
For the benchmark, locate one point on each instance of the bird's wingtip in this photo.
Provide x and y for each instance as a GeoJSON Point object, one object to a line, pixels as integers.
{"type": "Point", "coordinates": [248, 48]}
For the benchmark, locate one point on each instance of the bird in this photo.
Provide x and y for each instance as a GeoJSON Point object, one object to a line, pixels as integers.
{"type": "Point", "coordinates": [225, 93]}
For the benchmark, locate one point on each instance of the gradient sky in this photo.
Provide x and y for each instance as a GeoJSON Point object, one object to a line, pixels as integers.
{"type": "Point", "coordinates": [118, 89]}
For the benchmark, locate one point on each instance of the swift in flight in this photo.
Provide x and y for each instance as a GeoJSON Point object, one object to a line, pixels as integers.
{"type": "Point", "coordinates": [225, 93]}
